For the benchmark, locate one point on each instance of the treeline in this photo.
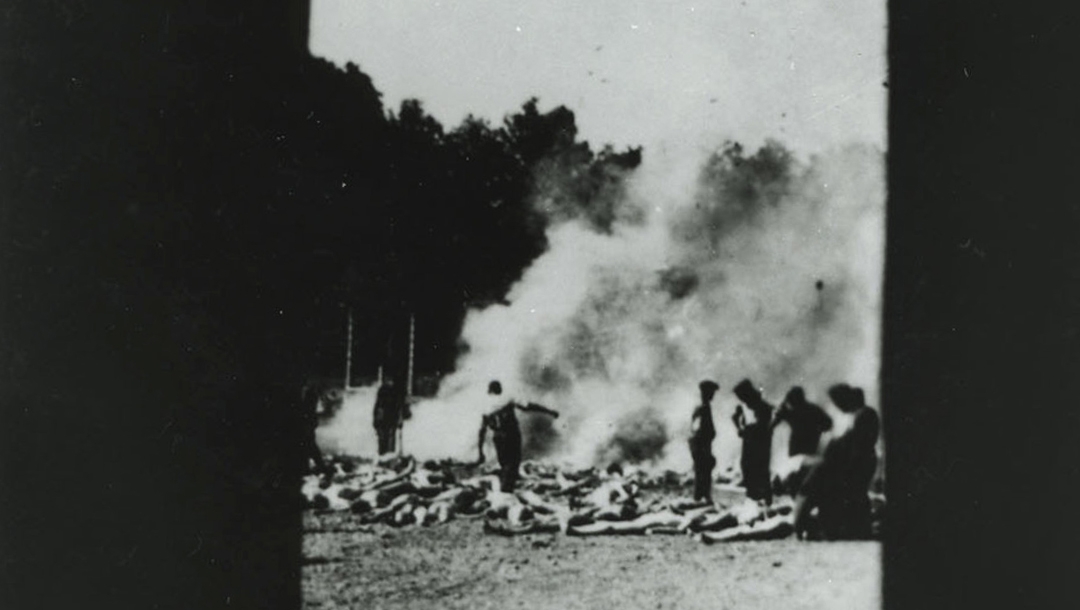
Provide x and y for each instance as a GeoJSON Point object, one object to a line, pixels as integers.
{"type": "Point", "coordinates": [324, 194]}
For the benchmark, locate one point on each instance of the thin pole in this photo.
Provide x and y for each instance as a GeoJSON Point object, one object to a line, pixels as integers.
{"type": "Point", "coordinates": [348, 348]}
{"type": "Point", "coordinates": [412, 340]}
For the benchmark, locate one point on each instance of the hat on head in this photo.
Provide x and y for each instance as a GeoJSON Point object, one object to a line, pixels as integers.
{"type": "Point", "coordinates": [494, 388]}
{"type": "Point", "coordinates": [708, 386]}
{"type": "Point", "coordinates": [841, 395]}
{"type": "Point", "coordinates": [746, 390]}
{"type": "Point", "coordinates": [796, 394]}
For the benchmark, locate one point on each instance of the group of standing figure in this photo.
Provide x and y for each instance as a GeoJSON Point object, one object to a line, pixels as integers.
{"type": "Point", "coordinates": [833, 484]}
{"type": "Point", "coordinates": [831, 490]}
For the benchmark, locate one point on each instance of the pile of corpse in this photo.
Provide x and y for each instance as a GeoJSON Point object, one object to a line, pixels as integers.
{"type": "Point", "coordinates": [814, 495]}
{"type": "Point", "coordinates": [399, 492]}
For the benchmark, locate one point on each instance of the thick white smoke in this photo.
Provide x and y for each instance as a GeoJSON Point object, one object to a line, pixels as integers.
{"type": "Point", "coordinates": [779, 282]}
{"type": "Point", "coordinates": [350, 432]}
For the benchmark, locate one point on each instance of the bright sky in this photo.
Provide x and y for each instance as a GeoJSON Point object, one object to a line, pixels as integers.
{"type": "Point", "coordinates": [807, 72]}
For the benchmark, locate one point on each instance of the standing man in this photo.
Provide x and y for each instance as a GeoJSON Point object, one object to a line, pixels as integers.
{"type": "Point", "coordinates": [860, 452]}
{"type": "Point", "coordinates": [756, 441]}
{"type": "Point", "coordinates": [806, 420]}
{"type": "Point", "coordinates": [839, 486]}
{"type": "Point", "coordinates": [702, 433]}
{"type": "Point", "coordinates": [506, 434]}
{"type": "Point", "coordinates": [387, 414]}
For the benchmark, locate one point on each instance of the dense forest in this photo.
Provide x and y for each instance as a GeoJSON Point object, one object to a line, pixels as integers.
{"type": "Point", "coordinates": [383, 211]}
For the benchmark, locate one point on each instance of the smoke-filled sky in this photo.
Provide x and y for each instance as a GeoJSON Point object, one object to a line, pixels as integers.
{"type": "Point", "coordinates": [635, 72]}
{"type": "Point", "coordinates": [764, 264]}
{"type": "Point", "coordinates": [763, 267]}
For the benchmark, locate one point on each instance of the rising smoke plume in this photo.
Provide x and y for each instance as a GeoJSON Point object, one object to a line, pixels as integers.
{"type": "Point", "coordinates": [742, 265]}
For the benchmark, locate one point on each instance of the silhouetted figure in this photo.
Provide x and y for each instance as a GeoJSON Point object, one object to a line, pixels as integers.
{"type": "Point", "coordinates": [861, 455]}
{"type": "Point", "coordinates": [309, 407]}
{"type": "Point", "coordinates": [388, 415]}
{"type": "Point", "coordinates": [839, 486]}
{"type": "Point", "coordinates": [757, 441]}
{"type": "Point", "coordinates": [506, 434]}
{"type": "Point", "coordinates": [702, 433]}
{"type": "Point", "coordinates": [806, 420]}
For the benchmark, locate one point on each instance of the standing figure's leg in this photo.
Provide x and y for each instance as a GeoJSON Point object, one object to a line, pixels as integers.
{"type": "Point", "coordinates": [384, 441]}
{"type": "Point", "coordinates": [707, 482]}
{"type": "Point", "coordinates": [758, 485]}
{"type": "Point", "coordinates": [509, 455]}
{"type": "Point", "coordinates": [703, 465]}
{"type": "Point", "coordinates": [391, 434]}
{"type": "Point", "coordinates": [698, 472]}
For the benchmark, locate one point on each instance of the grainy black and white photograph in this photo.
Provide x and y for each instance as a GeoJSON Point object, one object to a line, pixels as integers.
{"type": "Point", "coordinates": [316, 304]}
{"type": "Point", "coordinates": [619, 342]}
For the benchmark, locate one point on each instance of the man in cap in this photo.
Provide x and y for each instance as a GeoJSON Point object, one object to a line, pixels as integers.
{"type": "Point", "coordinates": [506, 434]}
{"type": "Point", "coordinates": [702, 433]}
{"type": "Point", "coordinates": [757, 441]}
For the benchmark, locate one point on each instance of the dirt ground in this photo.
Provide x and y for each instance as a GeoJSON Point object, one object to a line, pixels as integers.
{"type": "Point", "coordinates": [456, 565]}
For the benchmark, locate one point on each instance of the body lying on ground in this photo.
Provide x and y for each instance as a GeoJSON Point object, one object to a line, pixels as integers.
{"type": "Point", "coordinates": [586, 502]}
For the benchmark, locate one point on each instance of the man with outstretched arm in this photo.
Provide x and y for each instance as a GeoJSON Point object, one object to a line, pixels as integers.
{"type": "Point", "coordinates": [506, 435]}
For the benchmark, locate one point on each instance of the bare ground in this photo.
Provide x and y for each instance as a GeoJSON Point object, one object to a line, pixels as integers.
{"type": "Point", "coordinates": [456, 565]}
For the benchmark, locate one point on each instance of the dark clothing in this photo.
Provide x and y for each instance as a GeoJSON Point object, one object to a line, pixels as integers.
{"type": "Point", "coordinates": [864, 433]}
{"type": "Point", "coordinates": [312, 451]}
{"type": "Point", "coordinates": [309, 403]}
{"type": "Point", "coordinates": [386, 437]}
{"type": "Point", "coordinates": [389, 405]}
{"type": "Point", "coordinates": [509, 454]}
{"type": "Point", "coordinates": [703, 467]}
{"type": "Point", "coordinates": [839, 486]}
{"type": "Point", "coordinates": [506, 435]}
{"type": "Point", "coordinates": [807, 422]}
{"type": "Point", "coordinates": [504, 424]}
{"type": "Point", "coordinates": [852, 457]}
{"type": "Point", "coordinates": [756, 454]}
{"type": "Point", "coordinates": [387, 416]}
{"type": "Point", "coordinates": [702, 433]}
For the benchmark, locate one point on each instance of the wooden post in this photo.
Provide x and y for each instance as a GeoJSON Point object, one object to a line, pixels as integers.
{"type": "Point", "coordinates": [348, 349]}
{"type": "Point", "coordinates": [412, 340]}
